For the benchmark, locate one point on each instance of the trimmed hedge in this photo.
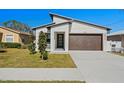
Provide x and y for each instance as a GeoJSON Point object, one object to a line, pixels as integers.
{"type": "Point", "coordinates": [10, 45]}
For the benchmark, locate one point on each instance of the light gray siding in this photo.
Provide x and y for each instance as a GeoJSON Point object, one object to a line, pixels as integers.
{"type": "Point", "coordinates": [60, 29]}
{"type": "Point", "coordinates": [78, 27]}
{"type": "Point", "coordinates": [57, 19]}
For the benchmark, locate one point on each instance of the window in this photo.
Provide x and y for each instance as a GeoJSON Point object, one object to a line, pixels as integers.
{"type": "Point", "coordinates": [113, 45]}
{"type": "Point", "coordinates": [9, 38]}
{"type": "Point", "coordinates": [48, 38]}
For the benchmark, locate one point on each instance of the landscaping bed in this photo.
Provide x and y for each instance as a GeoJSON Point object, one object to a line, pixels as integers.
{"type": "Point", "coordinates": [2, 50]}
{"type": "Point", "coordinates": [21, 58]}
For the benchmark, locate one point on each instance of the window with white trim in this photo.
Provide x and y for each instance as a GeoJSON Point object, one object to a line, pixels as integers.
{"type": "Point", "coordinates": [48, 38]}
{"type": "Point", "coordinates": [9, 38]}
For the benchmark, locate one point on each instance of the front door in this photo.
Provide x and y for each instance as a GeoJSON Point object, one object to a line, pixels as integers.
{"type": "Point", "coordinates": [60, 40]}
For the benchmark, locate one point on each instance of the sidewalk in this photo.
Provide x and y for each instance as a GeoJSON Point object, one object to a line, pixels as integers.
{"type": "Point", "coordinates": [40, 74]}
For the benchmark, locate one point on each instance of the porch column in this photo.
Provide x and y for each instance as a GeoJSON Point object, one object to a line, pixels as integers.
{"type": "Point", "coordinates": [52, 37]}
{"type": "Point", "coordinates": [66, 41]}
{"type": "Point", "coordinates": [104, 45]}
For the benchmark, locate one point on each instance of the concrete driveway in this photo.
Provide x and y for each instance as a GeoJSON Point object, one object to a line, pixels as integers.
{"type": "Point", "coordinates": [99, 67]}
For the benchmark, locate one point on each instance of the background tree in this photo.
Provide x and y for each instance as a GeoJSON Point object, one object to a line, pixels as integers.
{"type": "Point", "coordinates": [13, 24]}
{"type": "Point", "coordinates": [42, 43]}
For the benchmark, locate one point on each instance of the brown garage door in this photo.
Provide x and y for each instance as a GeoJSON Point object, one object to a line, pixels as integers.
{"type": "Point", "coordinates": [85, 42]}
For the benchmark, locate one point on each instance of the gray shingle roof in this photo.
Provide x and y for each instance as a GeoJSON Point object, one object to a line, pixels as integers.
{"type": "Point", "coordinates": [117, 33]}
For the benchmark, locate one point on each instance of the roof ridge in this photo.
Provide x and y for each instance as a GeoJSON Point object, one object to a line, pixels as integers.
{"type": "Point", "coordinates": [79, 20]}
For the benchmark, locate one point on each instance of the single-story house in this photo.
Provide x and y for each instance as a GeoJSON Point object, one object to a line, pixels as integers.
{"type": "Point", "coordinates": [65, 33]}
{"type": "Point", "coordinates": [10, 35]}
{"type": "Point", "coordinates": [116, 39]}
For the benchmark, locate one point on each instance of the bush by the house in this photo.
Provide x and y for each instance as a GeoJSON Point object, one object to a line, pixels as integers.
{"type": "Point", "coordinates": [10, 45]}
{"type": "Point", "coordinates": [2, 49]}
{"type": "Point", "coordinates": [24, 46]}
{"type": "Point", "coordinates": [1, 46]}
{"type": "Point", "coordinates": [45, 55]}
{"type": "Point", "coordinates": [31, 48]}
{"type": "Point", "coordinates": [42, 42]}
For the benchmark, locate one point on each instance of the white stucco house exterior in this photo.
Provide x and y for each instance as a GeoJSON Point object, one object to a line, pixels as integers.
{"type": "Point", "coordinates": [65, 34]}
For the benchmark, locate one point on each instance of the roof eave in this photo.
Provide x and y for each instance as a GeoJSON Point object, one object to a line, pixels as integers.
{"type": "Point", "coordinates": [12, 30]}
{"type": "Point", "coordinates": [58, 24]}
{"type": "Point", "coordinates": [108, 29]}
{"type": "Point", "coordinates": [52, 14]}
{"type": "Point", "coordinates": [25, 34]}
{"type": "Point", "coordinates": [34, 28]}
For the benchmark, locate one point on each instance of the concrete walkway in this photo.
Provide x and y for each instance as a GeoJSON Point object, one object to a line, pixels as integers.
{"type": "Point", "coordinates": [98, 67]}
{"type": "Point", "coordinates": [40, 74]}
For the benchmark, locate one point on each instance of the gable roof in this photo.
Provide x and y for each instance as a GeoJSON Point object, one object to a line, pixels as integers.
{"type": "Point", "coordinates": [59, 24]}
{"type": "Point", "coordinates": [116, 33]}
{"type": "Point", "coordinates": [45, 25]}
{"type": "Point", "coordinates": [51, 25]}
{"type": "Point", "coordinates": [68, 18]}
{"type": "Point", "coordinates": [15, 31]}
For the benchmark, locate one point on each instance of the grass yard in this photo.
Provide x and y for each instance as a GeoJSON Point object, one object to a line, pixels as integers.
{"type": "Point", "coordinates": [20, 58]}
{"type": "Point", "coordinates": [120, 54]}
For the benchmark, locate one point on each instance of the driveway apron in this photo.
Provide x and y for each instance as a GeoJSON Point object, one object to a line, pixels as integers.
{"type": "Point", "coordinates": [99, 67]}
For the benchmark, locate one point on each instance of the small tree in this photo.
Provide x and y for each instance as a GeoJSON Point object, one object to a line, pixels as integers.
{"type": "Point", "coordinates": [31, 48]}
{"type": "Point", "coordinates": [42, 42]}
{"type": "Point", "coordinates": [45, 55]}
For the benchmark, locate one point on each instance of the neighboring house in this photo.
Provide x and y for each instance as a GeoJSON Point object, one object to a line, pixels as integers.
{"type": "Point", "coordinates": [66, 34]}
{"type": "Point", "coordinates": [1, 36]}
{"type": "Point", "coordinates": [10, 35]}
{"type": "Point", "coordinates": [116, 40]}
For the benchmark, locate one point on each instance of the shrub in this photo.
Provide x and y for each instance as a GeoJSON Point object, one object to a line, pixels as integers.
{"type": "Point", "coordinates": [45, 55]}
{"type": "Point", "coordinates": [42, 42]}
{"type": "Point", "coordinates": [24, 46]}
{"type": "Point", "coordinates": [2, 49]}
{"type": "Point", "coordinates": [1, 46]}
{"type": "Point", "coordinates": [31, 48]}
{"type": "Point", "coordinates": [10, 45]}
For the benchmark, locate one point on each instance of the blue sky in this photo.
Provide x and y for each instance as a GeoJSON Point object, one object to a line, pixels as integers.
{"type": "Point", "coordinates": [112, 18]}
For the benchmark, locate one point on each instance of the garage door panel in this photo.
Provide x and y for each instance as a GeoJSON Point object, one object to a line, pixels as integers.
{"type": "Point", "coordinates": [85, 42]}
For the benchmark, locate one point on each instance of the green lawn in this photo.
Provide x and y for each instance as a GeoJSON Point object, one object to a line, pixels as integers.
{"type": "Point", "coordinates": [20, 58]}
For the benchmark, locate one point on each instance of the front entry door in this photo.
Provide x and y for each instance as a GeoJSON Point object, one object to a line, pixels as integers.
{"type": "Point", "coordinates": [60, 40]}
